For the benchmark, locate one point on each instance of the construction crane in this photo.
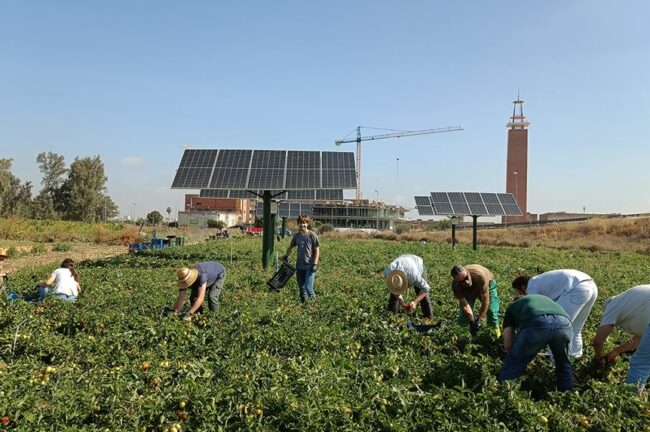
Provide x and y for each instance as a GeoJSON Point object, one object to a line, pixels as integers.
{"type": "Point", "coordinates": [398, 134]}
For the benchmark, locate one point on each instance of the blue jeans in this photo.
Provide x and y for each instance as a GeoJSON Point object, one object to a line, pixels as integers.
{"type": "Point", "coordinates": [305, 278]}
{"type": "Point", "coordinates": [552, 330]}
{"type": "Point", "coordinates": [640, 362]}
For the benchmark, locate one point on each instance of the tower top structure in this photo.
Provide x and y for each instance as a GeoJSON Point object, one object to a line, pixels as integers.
{"type": "Point", "coordinates": [518, 120]}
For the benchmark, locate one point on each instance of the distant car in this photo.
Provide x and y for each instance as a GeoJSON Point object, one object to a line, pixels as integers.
{"type": "Point", "coordinates": [254, 231]}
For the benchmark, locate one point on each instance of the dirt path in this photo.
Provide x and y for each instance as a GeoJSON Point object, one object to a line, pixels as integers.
{"type": "Point", "coordinates": [79, 252]}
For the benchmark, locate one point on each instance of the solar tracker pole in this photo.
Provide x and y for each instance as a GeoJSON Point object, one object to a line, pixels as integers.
{"type": "Point", "coordinates": [284, 226]}
{"type": "Point", "coordinates": [474, 223]}
{"type": "Point", "coordinates": [269, 232]}
{"type": "Point", "coordinates": [453, 235]}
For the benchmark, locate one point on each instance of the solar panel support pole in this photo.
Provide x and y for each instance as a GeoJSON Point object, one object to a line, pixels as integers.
{"type": "Point", "coordinates": [284, 226]}
{"type": "Point", "coordinates": [453, 235]}
{"type": "Point", "coordinates": [269, 231]}
{"type": "Point", "coordinates": [474, 229]}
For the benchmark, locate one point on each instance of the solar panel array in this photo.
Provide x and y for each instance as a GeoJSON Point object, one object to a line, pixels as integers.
{"type": "Point", "coordinates": [467, 203]}
{"type": "Point", "coordinates": [288, 209]}
{"type": "Point", "coordinates": [226, 169]}
{"type": "Point", "coordinates": [304, 195]}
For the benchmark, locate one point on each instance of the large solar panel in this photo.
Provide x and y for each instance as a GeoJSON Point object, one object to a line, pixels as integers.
{"type": "Point", "coordinates": [229, 169]}
{"type": "Point", "coordinates": [288, 209]}
{"type": "Point", "coordinates": [468, 203]}
{"type": "Point", "coordinates": [296, 195]}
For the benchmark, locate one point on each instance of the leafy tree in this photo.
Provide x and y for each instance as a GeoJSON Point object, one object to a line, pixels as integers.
{"type": "Point", "coordinates": [52, 166]}
{"type": "Point", "coordinates": [169, 212]}
{"type": "Point", "coordinates": [15, 198]}
{"type": "Point", "coordinates": [82, 194]}
{"type": "Point", "coordinates": [154, 218]}
{"type": "Point", "coordinates": [107, 209]}
{"type": "Point", "coordinates": [219, 224]}
{"type": "Point", "coordinates": [401, 228]}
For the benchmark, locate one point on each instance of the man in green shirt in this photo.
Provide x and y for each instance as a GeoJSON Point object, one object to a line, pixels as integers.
{"type": "Point", "coordinates": [538, 321]}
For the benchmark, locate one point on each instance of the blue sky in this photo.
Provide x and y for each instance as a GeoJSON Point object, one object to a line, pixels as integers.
{"type": "Point", "coordinates": [133, 81]}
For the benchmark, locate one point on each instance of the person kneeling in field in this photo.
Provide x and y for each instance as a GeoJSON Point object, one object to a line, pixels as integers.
{"type": "Point", "coordinates": [66, 283]}
{"type": "Point", "coordinates": [469, 283]}
{"type": "Point", "coordinates": [630, 311]}
{"type": "Point", "coordinates": [539, 322]}
{"type": "Point", "coordinates": [205, 276]}
{"type": "Point", "coordinates": [574, 290]}
{"type": "Point", "coordinates": [406, 271]}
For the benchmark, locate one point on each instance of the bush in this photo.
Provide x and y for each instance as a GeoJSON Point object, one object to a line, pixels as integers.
{"type": "Point", "coordinates": [38, 248]}
{"type": "Point", "coordinates": [325, 228]}
{"type": "Point", "coordinates": [443, 225]}
{"type": "Point", "coordinates": [13, 252]}
{"type": "Point", "coordinates": [219, 224]}
{"type": "Point", "coordinates": [402, 228]}
{"type": "Point", "coordinates": [62, 247]}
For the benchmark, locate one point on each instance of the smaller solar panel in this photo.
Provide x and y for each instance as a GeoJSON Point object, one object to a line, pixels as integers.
{"type": "Point", "coordinates": [469, 204]}
{"type": "Point", "coordinates": [422, 201]}
{"type": "Point", "coordinates": [425, 210]}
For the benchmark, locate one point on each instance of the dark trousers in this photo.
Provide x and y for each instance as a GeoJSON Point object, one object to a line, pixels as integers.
{"type": "Point", "coordinates": [394, 306]}
{"type": "Point", "coordinates": [212, 292]}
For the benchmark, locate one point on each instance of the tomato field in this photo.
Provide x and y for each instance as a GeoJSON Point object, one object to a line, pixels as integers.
{"type": "Point", "coordinates": [114, 361]}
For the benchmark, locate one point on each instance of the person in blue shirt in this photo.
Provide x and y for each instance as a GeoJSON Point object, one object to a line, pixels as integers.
{"type": "Point", "coordinates": [307, 260]}
{"type": "Point", "coordinates": [204, 277]}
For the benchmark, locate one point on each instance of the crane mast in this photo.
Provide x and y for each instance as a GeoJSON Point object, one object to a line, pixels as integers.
{"type": "Point", "coordinates": [400, 134]}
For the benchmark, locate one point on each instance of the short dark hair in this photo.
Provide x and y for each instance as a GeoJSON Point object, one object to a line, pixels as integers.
{"type": "Point", "coordinates": [456, 270]}
{"type": "Point", "coordinates": [520, 282]}
{"type": "Point", "coordinates": [303, 218]}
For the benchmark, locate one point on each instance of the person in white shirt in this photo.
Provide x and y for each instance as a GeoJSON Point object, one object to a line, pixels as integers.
{"type": "Point", "coordinates": [574, 290]}
{"type": "Point", "coordinates": [630, 311]}
{"type": "Point", "coordinates": [403, 272]}
{"type": "Point", "coordinates": [65, 282]}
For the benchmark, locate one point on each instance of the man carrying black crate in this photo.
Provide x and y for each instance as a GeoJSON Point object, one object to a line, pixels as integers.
{"type": "Point", "coordinates": [205, 276]}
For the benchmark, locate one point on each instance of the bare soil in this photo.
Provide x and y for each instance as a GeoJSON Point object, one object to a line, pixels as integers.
{"type": "Point", "coordinates": [79, 252]}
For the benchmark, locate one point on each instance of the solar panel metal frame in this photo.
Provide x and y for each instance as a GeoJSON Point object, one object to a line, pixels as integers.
{"type": "Point", "coordinates": [288, 209]}
{"type": "Point", "coordinates": [468, 204]}
{"type": "Point", "coordinates": [237, 169]}
{"type": "Point", "coordinates": [295, 195]}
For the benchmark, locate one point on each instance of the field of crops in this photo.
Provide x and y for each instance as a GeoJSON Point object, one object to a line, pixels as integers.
{"type": "Point", "coordinates": [112, 361]}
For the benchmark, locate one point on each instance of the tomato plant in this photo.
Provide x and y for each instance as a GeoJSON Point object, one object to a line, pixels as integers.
{"type": "Point", "coordinates": [114, 361]}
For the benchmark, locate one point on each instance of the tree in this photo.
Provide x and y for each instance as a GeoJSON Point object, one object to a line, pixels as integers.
{"type": "Point", "coordinates": [216, 223]}
{"type": "Point", "coordinates": [52, 166]}
{"type": "Point", "coordinates": [107, 209]}
{"type": "Point", "coordinates": [169, 213]}
{"type": "Point", "coordinates": [154, 218]}
{"type": "Point", "coordinates": [81, 195]}
{"type": "Point", "coordinates": [15, 198]}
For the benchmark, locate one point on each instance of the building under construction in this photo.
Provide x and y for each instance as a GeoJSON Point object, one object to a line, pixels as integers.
{"type": "Point", "coordinates": [358, 214]}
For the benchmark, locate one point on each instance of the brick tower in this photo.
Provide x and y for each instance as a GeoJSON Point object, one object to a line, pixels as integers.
{"type": "Point", "coordinates": [517, 163]}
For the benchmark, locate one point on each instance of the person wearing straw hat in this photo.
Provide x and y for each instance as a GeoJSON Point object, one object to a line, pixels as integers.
{"type": "Point", "coordinates": [403, 272]}
{"type": "Point", "coordinates": [203, 277]}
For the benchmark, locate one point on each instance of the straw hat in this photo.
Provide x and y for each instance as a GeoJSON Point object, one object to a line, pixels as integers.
{"type": "Point", "coordinates": [186, 276]}
{"type": "Point", "coordinates": [3, 253]}
{"type": "Point", "coordinates": [397, 282]}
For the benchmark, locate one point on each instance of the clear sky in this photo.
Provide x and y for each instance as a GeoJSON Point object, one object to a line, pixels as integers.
{"type": "Point", "coordinates": [134, 81]}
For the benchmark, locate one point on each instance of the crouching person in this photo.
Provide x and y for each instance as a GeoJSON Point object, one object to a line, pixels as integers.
{"type": "Point", "coordinates": [538, 321]}
{"type": "Point", "coordinates": [204, 277]}
{"type": "Point", "coordinates": [403, 272]}
{"type": "Point", "coordinates": [64, 282]}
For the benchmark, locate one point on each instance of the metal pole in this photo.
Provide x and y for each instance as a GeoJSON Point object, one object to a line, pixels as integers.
{"type": "Point", "coordinates": [474, 219]}
{"type": "Point", "coordinates": [453, 236]}
{"type": "Point", "coordinates": [358, 194]}
{"type": "Point", "coordinates": [284, 226]}
{"type": "Point", "coordinates": [269, 234]}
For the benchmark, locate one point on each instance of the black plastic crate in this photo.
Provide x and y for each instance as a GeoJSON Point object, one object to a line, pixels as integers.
{"type": "Point", "coordinates": [281, 277]}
